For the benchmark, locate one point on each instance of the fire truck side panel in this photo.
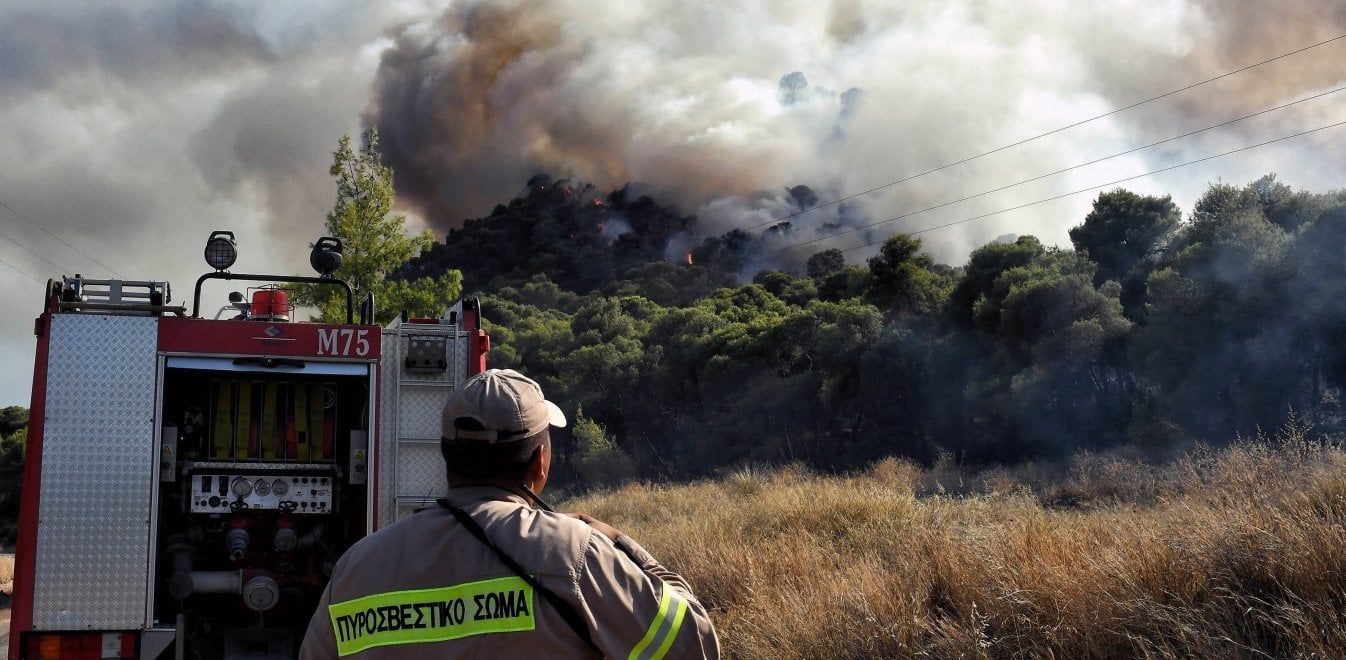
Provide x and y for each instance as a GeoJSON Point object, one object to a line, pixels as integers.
{"type": "Point", "coordinates": [98, 455]}
{"type": "Point", "coordinates": [422, 363]}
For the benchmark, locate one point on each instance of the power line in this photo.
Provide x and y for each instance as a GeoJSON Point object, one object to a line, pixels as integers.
{"type": "Point", "coordinates": [25, 249]}
{"type": "Point", "coordinates": [62, 240]}
{"type": "Point", "coordinates": [21, 271]}
{"type": "Point", "coordinates": [1051, 132]}
{"type": "Point", "coordinates": [1101, 185]}
{"type": "Point", "coordinates": [1065, 169]}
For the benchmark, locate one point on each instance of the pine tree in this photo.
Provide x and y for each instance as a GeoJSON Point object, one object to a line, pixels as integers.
{"type": "Point", "coordinates": [375, 242]}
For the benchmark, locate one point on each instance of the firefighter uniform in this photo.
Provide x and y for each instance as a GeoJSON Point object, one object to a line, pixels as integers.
{"type": "Point", "coordinates": [425, 587]}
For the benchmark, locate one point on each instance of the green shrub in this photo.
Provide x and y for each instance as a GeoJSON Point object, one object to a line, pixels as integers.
{"type": "Point", "coordinates": [598, 459]}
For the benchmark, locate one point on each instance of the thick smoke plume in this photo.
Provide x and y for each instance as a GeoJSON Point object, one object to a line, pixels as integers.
{"type": "Point", "coordinates": [724, 108]}
{"type": "Point", "coordinates": [135, 128]}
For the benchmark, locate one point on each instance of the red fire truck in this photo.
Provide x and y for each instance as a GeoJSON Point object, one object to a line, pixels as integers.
{"type": "Point", "coordinates": [189, 482]}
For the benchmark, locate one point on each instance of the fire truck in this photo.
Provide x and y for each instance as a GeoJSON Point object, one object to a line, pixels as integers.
{"type": "Point", "coordinates": [190, 481]}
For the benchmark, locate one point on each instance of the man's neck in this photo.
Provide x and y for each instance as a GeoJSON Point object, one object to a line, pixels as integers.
{"type": "Point", "coordinates": [512, 488]}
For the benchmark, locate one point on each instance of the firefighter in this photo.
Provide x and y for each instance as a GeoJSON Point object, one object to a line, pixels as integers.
{"type": "Point", "coordinates": [492, 571]}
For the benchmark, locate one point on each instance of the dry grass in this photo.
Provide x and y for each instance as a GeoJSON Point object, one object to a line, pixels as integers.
{"type": "Point", "coordinates": [6, 580]}
{"type": "Point", "coordinates": [1238, 553]}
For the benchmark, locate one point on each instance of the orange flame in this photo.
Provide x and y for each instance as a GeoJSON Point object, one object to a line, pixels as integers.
{"type": "Point", "coordinates": [689, 258]}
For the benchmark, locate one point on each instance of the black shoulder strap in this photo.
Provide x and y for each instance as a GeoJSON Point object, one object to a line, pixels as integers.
{"type": "Point", "coordinates": [572, 618]}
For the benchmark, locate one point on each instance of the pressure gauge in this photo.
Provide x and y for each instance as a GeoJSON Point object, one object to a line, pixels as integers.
{"type": "Point", "coordinates": [279, 487]}
{"type": "Point", "coordinates": [241, 487]}
{"type": "Point", "coordinates": [262, 487]}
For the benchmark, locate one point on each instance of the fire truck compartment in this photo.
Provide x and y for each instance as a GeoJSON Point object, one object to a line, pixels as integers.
{"type": "Point", "coordinates": [262, 486]}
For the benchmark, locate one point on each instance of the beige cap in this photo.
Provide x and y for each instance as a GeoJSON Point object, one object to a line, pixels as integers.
{"type": "Point", "coordinates": [508, 404]}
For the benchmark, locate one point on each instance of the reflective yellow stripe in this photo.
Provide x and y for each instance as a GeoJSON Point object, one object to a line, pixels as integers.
{"type": "Point", "coordinates": [673, 632]}
{"type": "Point", "coordinates": [664, 629]}
{"type": "Point", "coordinates": [432, 615]}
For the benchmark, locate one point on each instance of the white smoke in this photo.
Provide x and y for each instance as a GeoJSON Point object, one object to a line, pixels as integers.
{"type": "Point", "coordinates": [716, 103]}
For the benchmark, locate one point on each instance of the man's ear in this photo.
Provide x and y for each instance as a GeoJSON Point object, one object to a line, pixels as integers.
{"type": "Point", "coordinates": [539, 465]}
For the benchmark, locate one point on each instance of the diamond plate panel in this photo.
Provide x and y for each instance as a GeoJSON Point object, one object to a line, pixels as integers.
{"type": "Point", "coordinates": [420, 471]}
{"type": "Point", "coordinates": [460, 352]}
{"type": "Point", "coordinates": [93, 532]}
{"type": "Point", "coordinates": [422, 412]}
{"type": "Point", "coordinates": [405, 509]}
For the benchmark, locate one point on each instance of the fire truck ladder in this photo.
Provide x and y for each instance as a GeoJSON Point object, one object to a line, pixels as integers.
{"type": "Point", "coordinates": [429, 360]}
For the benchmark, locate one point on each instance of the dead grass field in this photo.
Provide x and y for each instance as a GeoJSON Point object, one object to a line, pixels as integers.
{"type": "Point", "coordinates": [6, 581]}
{"type": "Point", "coordinates": [1237, 553]}
{"type": "Point", "coordinates": [6, 588]}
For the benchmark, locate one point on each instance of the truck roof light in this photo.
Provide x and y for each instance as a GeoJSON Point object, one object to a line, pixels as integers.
{"type": "Point", "coordinates": [221, 251]}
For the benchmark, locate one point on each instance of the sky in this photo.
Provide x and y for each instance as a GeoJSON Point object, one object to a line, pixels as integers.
{"type": "Point", "coordinates": [132, 130]}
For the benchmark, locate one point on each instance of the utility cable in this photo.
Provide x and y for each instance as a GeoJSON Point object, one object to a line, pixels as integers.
{"type": "Point", "coordinates": [25, 249]}
{"type": "Point", "coordinates": [21, 271]}
{"type": "Point", "coordinates": [62, 240]}
{"type": "Point", "coordinates": [1051, 132]}
{"type": "Point", "coordinates": [1082, 190]}
{"type": "Point", "coordinates": [1072, 167]}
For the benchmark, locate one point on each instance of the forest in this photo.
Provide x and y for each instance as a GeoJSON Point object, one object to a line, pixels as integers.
{"type": "Point", "coordinates": [1153, 329]}
{"type": "Point", "coordinates": [13, 436]}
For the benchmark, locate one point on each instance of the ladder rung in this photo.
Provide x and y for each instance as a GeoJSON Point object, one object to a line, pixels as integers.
{"type": "Point", "coordinates": [418, 441]}
{"type": "Point", "coordinates": [416, 499]}
{"type": "Point", "coordinates": [426, 383]}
